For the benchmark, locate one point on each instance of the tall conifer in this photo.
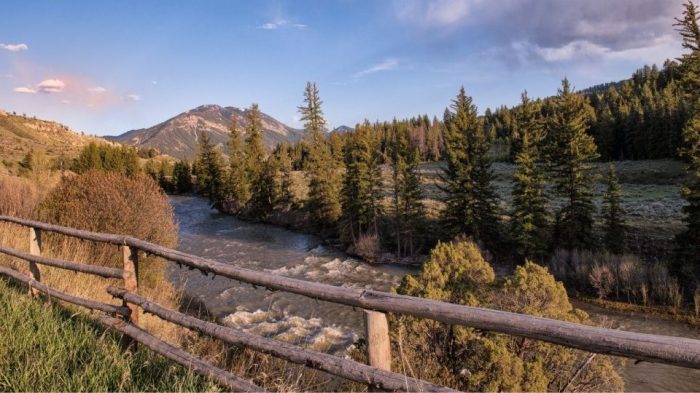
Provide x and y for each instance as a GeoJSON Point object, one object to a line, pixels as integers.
{"type": "Point", "coordinates": [321, 168]}
{"type": "Point", "coordinates": [570, 150]}
{"type": "Point", "coordinates": [613, 214]}
{"type": "Point", "coordinates": [529, 223]}
{"type": "Point", "coordinates": [467, 179]}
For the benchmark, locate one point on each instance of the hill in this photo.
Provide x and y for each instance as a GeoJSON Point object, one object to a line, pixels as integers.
{"type": "Point", "coordinates": [179, 135]}
{"type": "Point", "coordinates": [21, 134]}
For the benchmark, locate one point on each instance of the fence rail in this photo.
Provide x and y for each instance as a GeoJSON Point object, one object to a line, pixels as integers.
{"type": "Point", "coordinates": [649, 347]}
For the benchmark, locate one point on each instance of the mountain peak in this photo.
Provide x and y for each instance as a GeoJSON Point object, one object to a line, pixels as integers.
{"type": "Point", "coordinates": [178, 136]}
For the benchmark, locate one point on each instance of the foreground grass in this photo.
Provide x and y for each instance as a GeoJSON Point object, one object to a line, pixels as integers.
{"type": "Point", "coordinates": [44, 347]}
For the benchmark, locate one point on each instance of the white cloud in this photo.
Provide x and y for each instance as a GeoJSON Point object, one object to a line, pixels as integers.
{"type": "Point", "coordinates": [133, 97]}
{"type": "Point", "coordinates": [49, 86]}
{"type": "Point", "coordinates": [386, 65]}
{"type": "Point", "coordinates": [154, 82]}
{"type": "Point", "coordinates": [281, 23]}
{"type": "Point", "coordinates": [8, 76]}
{"type": "Point", "coordinates": [65, 102]}
{"type": "Point", "coordinates": [97, 90]}
{"type": "Point", "coordinates": [14, 47]}
{"type": "Point", "coordinates": [24, 90]}
{"type": "Point", "coordinates": [435, 13]}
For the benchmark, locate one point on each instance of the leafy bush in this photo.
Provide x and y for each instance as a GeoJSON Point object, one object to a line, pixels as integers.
{"type": "Point", "coordinates": [473, 360]}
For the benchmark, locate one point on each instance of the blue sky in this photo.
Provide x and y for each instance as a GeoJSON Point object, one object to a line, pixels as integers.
{"type": "Point", "coordinates": [108, 67]}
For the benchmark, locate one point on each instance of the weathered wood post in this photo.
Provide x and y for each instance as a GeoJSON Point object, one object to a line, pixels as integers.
{"type": "Point", "coordinates": [378, 344]}
{"type": "Point", "coordinates": [34, 249]}
{"type": "Point", "coordinates": [131, 269]}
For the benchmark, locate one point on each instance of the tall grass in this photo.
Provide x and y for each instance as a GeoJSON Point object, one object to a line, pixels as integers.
{"type": "Point", "coordinates": [45, 347]}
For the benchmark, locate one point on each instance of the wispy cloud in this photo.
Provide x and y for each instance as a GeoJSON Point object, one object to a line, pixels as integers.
{"type": "Point", "coordinates": [47, 86]}
{"type": "Point", "coordinates": [281, 24]}
{"type": "Point", "coordinates": [434, 13]}
{"type": "Point", "coordinates": [8, 76]}
{"type": "Point", "coordinates": [132, 97]}
{"type": "Point", "coordinates": [14, 47]}
{"type": "Point", "coordinates": [97, 90]}
{"type": "Point", "coordinates": [24, 90]}
{"type": "Point", "coordinates": [386, 65]}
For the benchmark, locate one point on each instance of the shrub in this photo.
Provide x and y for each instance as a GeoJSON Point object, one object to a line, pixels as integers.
{"type": "Point", "coordinates": [367, 247]}
{"type": "Point", "coordinates": [473, 360]}
{"type": "Point", "coordinates": [113, 203]}
{"type": "Point", "coordinates": [601, 278]}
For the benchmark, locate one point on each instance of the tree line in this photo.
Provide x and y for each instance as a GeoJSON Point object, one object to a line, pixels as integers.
{"type": "Point", "coordinates": [553, 143]}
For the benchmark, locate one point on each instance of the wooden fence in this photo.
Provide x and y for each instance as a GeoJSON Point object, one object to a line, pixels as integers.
{"type": "Point", "coordinates": [648, 347]}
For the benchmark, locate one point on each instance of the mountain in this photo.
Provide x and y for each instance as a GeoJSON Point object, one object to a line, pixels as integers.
{"type": "Point", "coordinates": [20, 134]}
{"type": "Point", "coordinates": [179, 135]}
{"type": "Point", "coordinates": [342, 129]}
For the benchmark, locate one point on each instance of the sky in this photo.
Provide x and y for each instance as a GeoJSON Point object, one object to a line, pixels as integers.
{"type": "Point", "coordinates": [108, 67]}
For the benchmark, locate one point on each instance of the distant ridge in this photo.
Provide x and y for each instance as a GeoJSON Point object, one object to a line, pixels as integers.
{"type": "Point", "coordinates": [179, 136]}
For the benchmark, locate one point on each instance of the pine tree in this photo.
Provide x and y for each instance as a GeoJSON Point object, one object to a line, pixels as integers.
{"type": "Point", "coordinates": [529, 223]}
{"type": "Point", "coordinates": [569, 151]}
{"type": "Point", "coordinates": [237, 184]}
{"type": "Point", "coordinates": [286, 196]}
{"type": "Point", "coordinates": [613, 214]}
{"type": "Point", "coordinates": [408, 210]}
{"type": "Point", "coordinates": [361, 191]}
{"type": "Point", "coordinates": [467, 179]}
{"type": "Point", "coordinates": [255, 164]}
{"type": "Point", "coordinates": [321, 169]}
{"type": "Point", "coordinates": [210, 173]}
{"type": "Point", "coordinates": [182, 177]}
{"type": "Point", "coordinates": [688, 242]}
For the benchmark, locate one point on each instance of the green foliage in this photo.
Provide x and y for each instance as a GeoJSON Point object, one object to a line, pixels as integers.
{"type": "Point", "coordinates": [208, 170]}
{"type": "Point", "coordinates": [614, 214]}
{"type": "Point", "coordinates": [688, 242]}
{"type": "Point", "coordinates": [472, 360]}
{"type": "Point", "coordinates": [470, 196]}
{"type": "Point", "coordinates": [286, 194]}
{"type": "Point", "coordinates": [321, 169]}
{"type": "Point", "coordinates": [529, 220]}
{"type": "Point", "coordinates": [361, 192]}
{"type": "Point", "coordinates": [237, 185]}
{"type": "Point", "coordinates": [408, 209]}
{"type": "Point", "coordinates": [106, 157]}
{"type": "Point", "coordinates": [569, 152]}
{"type": "Point", "coordinates": [182, 177]}
{"type": "Point", "coordinates": [48, 348]}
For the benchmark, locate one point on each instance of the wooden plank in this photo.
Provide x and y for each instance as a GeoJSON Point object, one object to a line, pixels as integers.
{"type": "Point", "coordinates": [131, 265]}
{"type": "Point", "coordinates": [225, 378]}
{"type": "Point", "coordinates": [677, 351]}
{"type": "Point", "coordinates": [34, 249]}
{"type": "Point", "coordinates": [378, 344]}
{"type": "Point", "coordinates": [101, 271]}
{"type": "Point", "coordinates": [53, 293]}
{"type": "Point", "coordinates": [341, 367]}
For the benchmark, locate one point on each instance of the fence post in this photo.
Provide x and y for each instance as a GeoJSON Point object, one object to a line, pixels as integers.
{"type": "Point", "coordinates": [34, 249]}
{"type": "Point", "coordinates": [131, 269]}
{"type": "Point", "coordinates": [378, 345]}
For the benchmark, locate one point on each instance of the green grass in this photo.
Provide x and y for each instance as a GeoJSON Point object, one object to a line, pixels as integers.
{"type": "Point", "coordinates": [45, 347]}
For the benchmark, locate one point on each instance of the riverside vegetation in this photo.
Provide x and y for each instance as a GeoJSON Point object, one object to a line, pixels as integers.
{"type": "Point", "coordinates": [334, 185]}
{"type": "Point", "coordinates": [365, 189]}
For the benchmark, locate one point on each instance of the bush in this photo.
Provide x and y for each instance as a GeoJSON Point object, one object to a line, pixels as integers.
{"type": "Point", "coordinates": [367, 247]}
{"type": "Point", "coordinates": [473, 360]}
{"type": "Point", "coordinates": [113, 203]}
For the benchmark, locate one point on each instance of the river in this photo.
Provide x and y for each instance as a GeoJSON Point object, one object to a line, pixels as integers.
{"type": "Point", "coordinates": [331, 327]}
